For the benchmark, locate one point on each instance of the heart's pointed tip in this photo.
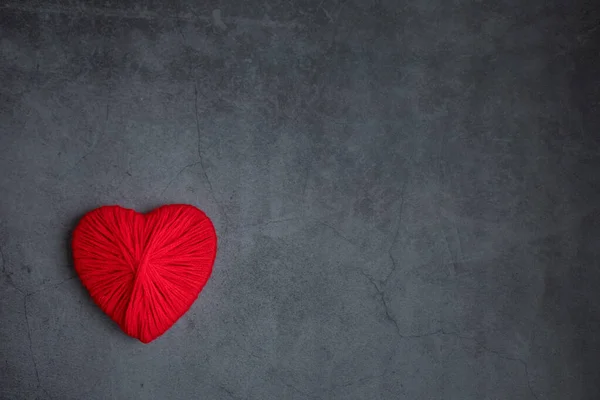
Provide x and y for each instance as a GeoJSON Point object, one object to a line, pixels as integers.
{"type": "Point", "coordinates": [144, 339]}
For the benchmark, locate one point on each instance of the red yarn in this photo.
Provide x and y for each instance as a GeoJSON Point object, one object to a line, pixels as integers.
{"type": "Point", "coordinates": [144, 270]}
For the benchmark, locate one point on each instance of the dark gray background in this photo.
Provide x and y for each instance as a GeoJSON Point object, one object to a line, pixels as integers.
{"type": "Point", "coordinates": [406, 195]}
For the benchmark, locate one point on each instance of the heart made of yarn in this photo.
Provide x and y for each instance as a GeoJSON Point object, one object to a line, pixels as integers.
{"type": "Point", "coordinates": [144, 270]}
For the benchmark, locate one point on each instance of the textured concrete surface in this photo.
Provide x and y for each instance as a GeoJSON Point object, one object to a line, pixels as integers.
{"type": "Point", "coordinates": [406, 193]}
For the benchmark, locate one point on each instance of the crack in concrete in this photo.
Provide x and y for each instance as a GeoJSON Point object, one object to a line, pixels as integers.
{"type": "Point", "coordinates": [386, 307]}
{"type": "Point", "coordinates": [442, 332]}
{"type": "Point", "coordinates": [45, 286]}
{"type": "Point", "coordinates": [338, 233]}
{"type": "Point", "coordinates": [8, 275]}
{"type": "Point", "coordinates": [26, 312]}
{"type": "Point", "coordinates": [177, 175]}
{"type": "Point", "coordinates": [228, 392]}
{"type": "Point", "coordinates": [500, 355]}
{"type": "Point", "coordinates": [92, 148]}
{"type": "Point", "coordinates": [388, 315]}
{"type": "Point", "coordinates": [453, 259]}
{"type": "Point", "coordinates": [201, 161]}
{"type": "Point", "coordinates": [35, 367]}
{"type": "Point", "coordinates": [395, 237]}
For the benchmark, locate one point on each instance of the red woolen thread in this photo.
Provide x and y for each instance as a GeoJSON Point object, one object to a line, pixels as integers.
{"type": "Point", "coordinates": [144, 270]}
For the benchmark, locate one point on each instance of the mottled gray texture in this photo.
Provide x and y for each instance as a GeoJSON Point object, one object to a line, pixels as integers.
{"type": "Point", "coordinates": [406, 194]}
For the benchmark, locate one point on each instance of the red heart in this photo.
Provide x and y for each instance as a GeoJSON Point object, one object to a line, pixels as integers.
{"type": "Point", "coordinates": [144, 270]}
